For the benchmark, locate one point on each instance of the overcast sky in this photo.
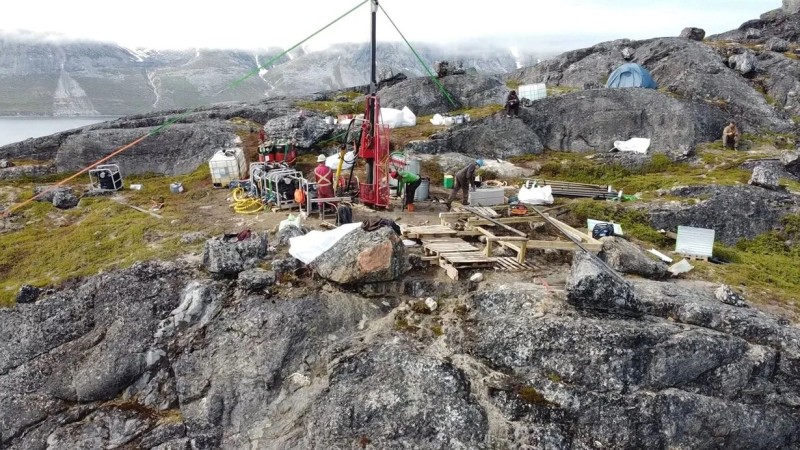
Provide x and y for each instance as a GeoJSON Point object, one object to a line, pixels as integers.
{"type": "Point", "coordinates": [248, 24]}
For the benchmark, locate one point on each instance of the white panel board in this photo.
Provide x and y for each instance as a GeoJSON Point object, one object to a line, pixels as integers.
{"type": "Point", "coordinates": [695, 241]}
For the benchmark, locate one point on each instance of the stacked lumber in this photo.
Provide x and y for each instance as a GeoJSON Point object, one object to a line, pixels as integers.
{"type": "Point", "coordinates": [570, 189]}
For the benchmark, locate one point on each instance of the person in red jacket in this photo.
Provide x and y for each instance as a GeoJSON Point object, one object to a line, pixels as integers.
{"type": "Point", "coordinates": [324, 177]}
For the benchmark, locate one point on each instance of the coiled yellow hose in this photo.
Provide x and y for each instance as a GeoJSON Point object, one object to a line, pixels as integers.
{"type": "Point", "coordinates": [245, 205]}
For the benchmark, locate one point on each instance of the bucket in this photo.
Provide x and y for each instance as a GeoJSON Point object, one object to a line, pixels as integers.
{"type": "Point", "coordinates": [176, 188]}
{"type": "Point", "coordinates": [449, 181]}
{"type": "Point", "coordinates": [422, 191]}
{"type": "Point", "coordinates": [413, 166]}
{"type": "Point", "coordinates": [459, 119]}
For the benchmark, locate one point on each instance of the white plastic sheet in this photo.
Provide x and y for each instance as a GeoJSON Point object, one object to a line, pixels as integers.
{"type": "Point", "coordinates": [308, 247]}
{"type": "Point", "coordinates": [635, 145]}
{"type": "Point", "coordinates": [536, 195]}
{"type": "Point", "coordinates": [333, 161]}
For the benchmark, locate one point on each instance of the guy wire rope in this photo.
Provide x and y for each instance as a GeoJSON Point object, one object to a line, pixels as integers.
{"type": "Point", "coordinates": [427, 69]}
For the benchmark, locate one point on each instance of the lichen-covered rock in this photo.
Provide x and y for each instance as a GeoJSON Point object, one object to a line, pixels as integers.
{"type": "Point", "coordinates": [228, 256]}
{"type": "Point", "coordinates": [64, 199]}
{"type": "Point", "coordinates": [392, 397]}
{"type": "Point", "coordinates": [363, 257]}
{"type": "Point", "coordinates": [28, 294]}
{"type": "Point", "coordinates": [733, 212]}
{"type": "Point", "coordinates": [305, 128]}
{"type": "Point", "coordinates": [745, 62]}
{"type": "Point", "coordinates": [693, 33]}
{"type": "Point", "coordinates": [765, 177]}
{"type": "Point", "coordinates": [791, 161]}
{"type": "Point", "coordinates": [627, 257]}
{"type": "Point", "coordinates": [776, 44]}
{"type": "Point", "coordinates": [725, 294]}
{"type": "Point", "coordinates": [288, 232]}
{"type": "Point", "coordinates": [256, 279]}
{"type": "Point", "coordinates": [591, 286]}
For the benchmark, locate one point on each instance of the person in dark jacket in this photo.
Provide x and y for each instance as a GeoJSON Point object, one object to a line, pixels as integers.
{"type": "Point", "coordinates": [465, 181]}
{"type": "Point", "coordinates": [512, 104]}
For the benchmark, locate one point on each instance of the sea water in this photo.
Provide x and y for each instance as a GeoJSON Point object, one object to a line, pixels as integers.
{"type": "Point", "coordinates": [15, 129]}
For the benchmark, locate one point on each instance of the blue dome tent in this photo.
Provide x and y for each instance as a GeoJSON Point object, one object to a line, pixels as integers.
{"type": "Point", "coordinates": [631, 75]}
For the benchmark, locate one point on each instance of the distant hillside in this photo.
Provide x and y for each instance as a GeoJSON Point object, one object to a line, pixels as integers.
{"type": "Point", "coordinates": [45, 77]}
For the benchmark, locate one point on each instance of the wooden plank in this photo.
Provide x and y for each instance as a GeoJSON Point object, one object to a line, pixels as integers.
{"type": "Point", "coordinates": [451, 271]}
{"type": "Point", "coordinates": [583, 237]}
{"type": "Point", "coordinates": [506, 239]}
{"type": "Point", "coordinates": [503, 220]}
{"type": "Point", "coordinates": [562, 245]}
{"type": "Point", "coordinates": [513, 230]}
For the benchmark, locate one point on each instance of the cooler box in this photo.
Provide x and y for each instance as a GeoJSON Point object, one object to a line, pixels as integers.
{"type": "Point", "coordinates": [487, 197]}
{"type": "Point", "coordinates": [227, 166]}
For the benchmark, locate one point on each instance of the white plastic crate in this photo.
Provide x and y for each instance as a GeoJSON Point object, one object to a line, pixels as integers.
{"type": "Point", "coordinates": [532, 92]}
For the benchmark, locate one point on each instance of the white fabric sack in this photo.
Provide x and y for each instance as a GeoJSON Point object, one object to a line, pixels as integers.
{"type": "Point", "coordinates": [390, 116]}
{"type": "Point", "coordinates": [636, 145]}
{"type": "Point", "coordinates": [291, 221]}
{"type": "Point", "coordinates": [409, 119]}
{"type": "Point", "coordinates": [309, 246]}
{"type": "Point", "coordinates": [536, 195]}
{"type": "Point", "coordinates": [333, 161]}
{"type": "Point", "coordinates": [437, 119]}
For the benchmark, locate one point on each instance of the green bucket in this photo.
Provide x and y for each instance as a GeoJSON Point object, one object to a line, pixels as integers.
{"type": "Point", "coordinates": [449, 181]}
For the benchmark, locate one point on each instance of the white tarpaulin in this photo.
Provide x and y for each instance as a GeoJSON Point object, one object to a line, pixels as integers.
{"type": "Point", "coordinates": [307, 247]}
{"type": "Point", "coordinates": [396, 118]}
{"type": "Point", "coordinates": [333, 161]}
{"type": "Point", "coordinates": [636, 145]}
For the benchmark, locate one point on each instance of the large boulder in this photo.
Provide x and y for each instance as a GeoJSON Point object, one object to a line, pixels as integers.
{"type": "Point", "coordinates": [423, 96]}
{"type": "Point", "coordinates": [593, 287]}
{"type": "Point", "coordinates": [791, 162]}
{"type": "Point", "coordinates": [765, 176]}
{"type": "Point", "coordinates": [225, 255]}
{"type": "Point", "coordinates": [494, 136]}
{"type": "Point", "coordinates": [591, 120]}
{"type": "Point", "coordinates": [776, 44]}
{"type": "Point", "coordinates": [693, 33]}
{"type": "Point", "coordinates": [363, 257]}
{"type": "Point", "coordinates": [627, 257]}
{"type": "Point", "coordinates": [733, 212]}
{"type": "Point", "coordinates": [177, 150]}
{"type": "Point", "coordinates": [744, 62]}
{"type": "Point", "coordinates": [64, 199]}
{"type": "Point", "coordinates": [304, 128]}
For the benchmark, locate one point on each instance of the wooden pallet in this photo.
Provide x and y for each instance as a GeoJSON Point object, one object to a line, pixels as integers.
{"type": "Point", "coordinates": [453, 262]}
{"type": "Point", "coordinates": [510, 264]}
{"type": "Point", "coordinates": [694, 257]}
{"type": "Point", "coordinates": [428, 231]}
{"type": "Point", "coordinates": [446, 245]}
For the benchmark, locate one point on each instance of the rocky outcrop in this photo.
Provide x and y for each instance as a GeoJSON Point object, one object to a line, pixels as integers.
{"type": "Point", "coordinates": [304, 128]}
{"type": "Point", "coordinates": [424, 97]}
{"type": "Point", "coordinates": [627, 257]}
{"type": "Point", "coordinates": [363, 257]}
{"type": "Point", "coordinates": [764, 176]}
{"type": "Point", "coordinates": [495, 136]}
{"type": "Point", "coordinates": [733, 212]}
{"type": "Point", "coordinates": [595, 287]}
{"type": "Point", "coordinates": [157, 356]}
{"type": "Point", "coordinates": [668, 380]}
{"type": "Point", "coordinates": [227, 255]}
{"type": "Point", "coordinates": [591, 120]}
{"type": "Point", "coordinates": [688, 69]}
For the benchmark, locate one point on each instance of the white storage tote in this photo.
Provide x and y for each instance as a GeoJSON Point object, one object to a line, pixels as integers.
{"type": "Point", "coordinates": [226, 166]}
{"type": "Point", "coordinates": [532, 92]}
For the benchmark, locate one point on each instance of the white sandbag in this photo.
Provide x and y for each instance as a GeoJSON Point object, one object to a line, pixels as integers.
{"type": "Point", "coordinates": [333, 161]}
{"type": "Point", "coordinates": [409, 118]}
{"type": "Point", "coordinates": [437, 119]}
{"type": "Point", "coordinates": [291, 221]}
{"type": "Point", "coordinates": [309, 246]}
{"type": "Point", "coordinates": [635, 145]}
{"type": "Point", "coordinates": [536, 195]}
